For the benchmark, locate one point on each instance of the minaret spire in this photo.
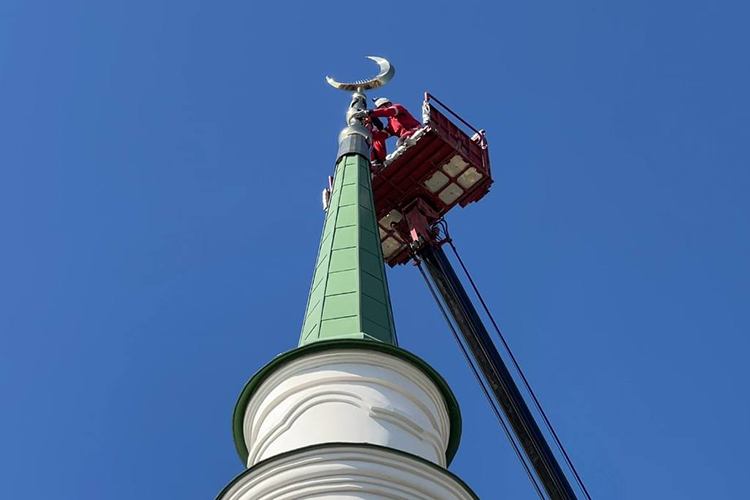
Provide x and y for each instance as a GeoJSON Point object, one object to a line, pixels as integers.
{"type": "Point", "coordinates": [349, 296]}
{"type": "Point", "coordinates": [348, 414]}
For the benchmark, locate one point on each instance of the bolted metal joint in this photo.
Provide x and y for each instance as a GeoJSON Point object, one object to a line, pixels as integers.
{"type": "Point", "coordinates": [354, 115]}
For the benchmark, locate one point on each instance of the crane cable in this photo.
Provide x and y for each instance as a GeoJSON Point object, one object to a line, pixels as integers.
{"type": "Point", "coordinates": [481, 382]}
{"type": "Point", "coordinates": [516, 365]}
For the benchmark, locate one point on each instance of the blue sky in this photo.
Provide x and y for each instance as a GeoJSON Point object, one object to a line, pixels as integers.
{"type": "Point", "coordinates": [160, 172]}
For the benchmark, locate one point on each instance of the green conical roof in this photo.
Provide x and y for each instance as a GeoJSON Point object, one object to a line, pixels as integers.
{"type": "Point", "coordinates": [349, 296]}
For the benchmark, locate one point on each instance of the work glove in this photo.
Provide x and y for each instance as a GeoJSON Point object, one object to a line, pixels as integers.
{"type": "Point", "coordinates": [361, 114]}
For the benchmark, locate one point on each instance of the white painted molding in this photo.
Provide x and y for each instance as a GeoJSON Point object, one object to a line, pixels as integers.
{"type": "Point", "coordinates": [346, 472]}
{"type": "Point", "coordinates": [351, 396]}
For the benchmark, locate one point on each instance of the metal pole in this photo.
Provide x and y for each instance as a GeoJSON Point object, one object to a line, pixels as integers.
{"type": "Point", "coordinates": [499, 378]}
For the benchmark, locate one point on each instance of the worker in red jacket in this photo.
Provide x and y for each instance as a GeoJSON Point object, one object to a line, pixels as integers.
{"type": "Point", "coordinates": [379, 136]}
{"type": "Point", "coordinates": [401, 123]}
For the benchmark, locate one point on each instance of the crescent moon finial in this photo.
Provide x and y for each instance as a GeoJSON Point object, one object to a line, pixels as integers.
{"type": "Point", "coordinates": [386, 73]}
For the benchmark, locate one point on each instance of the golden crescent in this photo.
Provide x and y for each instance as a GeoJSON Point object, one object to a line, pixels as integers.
{"type": "Point", "coordinates": [386, 73]}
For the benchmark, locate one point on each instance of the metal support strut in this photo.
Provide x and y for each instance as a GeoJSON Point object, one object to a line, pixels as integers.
{"type": "Point", "coordinates": [496, 373]}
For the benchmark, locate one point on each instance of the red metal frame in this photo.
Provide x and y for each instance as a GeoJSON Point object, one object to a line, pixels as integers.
{"type": "Point", "coordinates": [401, 183]}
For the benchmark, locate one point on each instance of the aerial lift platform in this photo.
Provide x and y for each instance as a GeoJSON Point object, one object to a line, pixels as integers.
{"type": "Point", "coordinates": [438, 167]}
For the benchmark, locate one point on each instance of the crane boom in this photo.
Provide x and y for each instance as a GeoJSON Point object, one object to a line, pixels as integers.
{"type": "Point", "coordinates": [500, 380]}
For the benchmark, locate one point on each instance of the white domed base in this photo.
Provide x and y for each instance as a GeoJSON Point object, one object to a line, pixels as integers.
{"type": "Point", "coordinates": [347, 396]}
{"type": "Point", "coordinates": [346, 472]}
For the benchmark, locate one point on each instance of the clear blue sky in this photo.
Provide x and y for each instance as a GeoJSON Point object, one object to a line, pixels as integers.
{"type": "Point", "coordinates": [160, 172]}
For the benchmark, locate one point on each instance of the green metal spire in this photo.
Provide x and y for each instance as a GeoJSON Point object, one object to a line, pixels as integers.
{"type": "Point", "coordinates": [349, 296]}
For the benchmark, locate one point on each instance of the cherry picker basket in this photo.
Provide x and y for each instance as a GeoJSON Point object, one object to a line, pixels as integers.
{"type": "Point", "coordinates": [439, 166]}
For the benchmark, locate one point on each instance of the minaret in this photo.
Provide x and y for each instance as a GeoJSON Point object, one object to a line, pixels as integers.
{"type": "Point", "coordinates": [348, 414]}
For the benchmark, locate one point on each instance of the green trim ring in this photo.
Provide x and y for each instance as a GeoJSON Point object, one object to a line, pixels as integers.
{"type": "Point", "coordinates": [324, 446]}
{"type": "Point", "coordinates": [252, 385]}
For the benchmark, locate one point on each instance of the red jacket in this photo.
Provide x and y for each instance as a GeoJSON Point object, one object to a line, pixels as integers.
{"type": "Point", "coordinates": [400, 121]}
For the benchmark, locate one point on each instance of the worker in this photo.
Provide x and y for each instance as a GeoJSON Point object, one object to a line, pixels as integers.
{"type": "Point", "coordinates": [379, 135]}
{"type": "Point", "coordinates": [401, 123]}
